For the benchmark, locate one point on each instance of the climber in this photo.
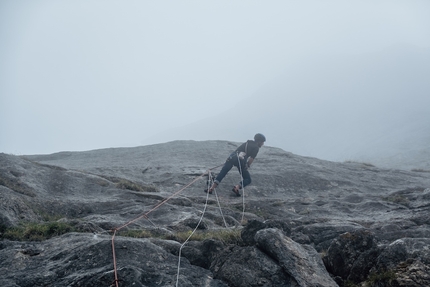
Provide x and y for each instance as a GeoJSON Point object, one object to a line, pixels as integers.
{"type": "Point", "coordinates": [242, 158]}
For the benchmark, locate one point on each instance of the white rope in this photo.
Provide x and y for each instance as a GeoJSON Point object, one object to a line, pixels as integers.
{"type": "Point", "coordinates": [220, 209]}
{"type": "Point", "coordinates": [243, 188]}
{"type": "Point", "coordinates": [210, 183]}
{"type": "Point", "coordinates": [204, 211]}
{"type": "Point", "coordinates": [192, 233]}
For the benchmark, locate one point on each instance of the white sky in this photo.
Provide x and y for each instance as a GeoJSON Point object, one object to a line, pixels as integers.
{"type": "Point", "coordinates": [81, 75]}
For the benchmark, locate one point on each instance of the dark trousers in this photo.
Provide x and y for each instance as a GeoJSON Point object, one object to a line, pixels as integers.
{"type": "Point", "coordinates": [233, 160]}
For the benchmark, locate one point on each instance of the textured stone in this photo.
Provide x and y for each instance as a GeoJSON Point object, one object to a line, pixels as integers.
{"type": "Point", "coordinates": [301, 262]}
{"type": "Point", "coordinates": [309, 202]}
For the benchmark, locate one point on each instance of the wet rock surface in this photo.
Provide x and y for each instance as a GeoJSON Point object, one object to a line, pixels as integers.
{"type": "Point", "coordinates": [302, 221]}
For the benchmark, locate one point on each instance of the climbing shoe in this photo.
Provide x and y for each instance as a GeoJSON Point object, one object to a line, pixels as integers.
{"type": "Point", "coordinates": [206, 190]}
{"type": "Point", "coordinates": [236, 191]}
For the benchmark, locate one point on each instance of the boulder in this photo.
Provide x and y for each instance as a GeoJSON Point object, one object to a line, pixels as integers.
{"type": "Point", "coordinates": [249, 267]}
{"type": "Point", "coordinates": [403, 263]}
{"type": "Point", "coordinates": [321, 234]}
{"type": "Point", "coordinates": [301, 262]}
{"type": "Point", "coordinates": [248, 233]}
{"type": "Point", "coordinates": [401, 250]}
{"type": "Point", "coordinates": [352, 255]}
{"type": "Point", "coordinates": [412, 273]}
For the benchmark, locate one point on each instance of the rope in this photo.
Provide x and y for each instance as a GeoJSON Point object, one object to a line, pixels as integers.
{"type": "Point", "coordinates": [220, 209]}
{"type": "Point", "coordinates": [146, 216]}
{"type": "Point", "coordinates": [114, 258]}
{"type": "Point", "coordinates": [243, 195]}
{"type": "Point", "coordinates": [210, 182]}
{"type": "Point", "coordinates": [243, 188]}
{"type": "Point", "coordinates": [192, 233]}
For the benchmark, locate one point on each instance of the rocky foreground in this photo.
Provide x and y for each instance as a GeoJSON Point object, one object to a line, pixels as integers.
{"type": "Point", "coordinates": [302, 222]}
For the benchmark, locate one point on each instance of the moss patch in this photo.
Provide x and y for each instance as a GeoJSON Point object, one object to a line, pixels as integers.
{"type": "Point", "coordinates": [36, 231]}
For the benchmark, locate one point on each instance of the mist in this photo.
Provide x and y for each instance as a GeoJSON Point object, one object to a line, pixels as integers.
{"type": "Point", "coordinates": [327, 79]}
{"type": "Point", "coordinates": [372, 108]}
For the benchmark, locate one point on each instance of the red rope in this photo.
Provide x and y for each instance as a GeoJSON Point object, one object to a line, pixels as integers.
{"type": "Point", "coordinates": [146, 214]}
{"type": "Point", "coordinates": [114, 258]}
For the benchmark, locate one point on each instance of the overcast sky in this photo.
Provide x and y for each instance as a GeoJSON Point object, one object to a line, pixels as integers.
{"type": "Point", "coordinates": [82, 75]}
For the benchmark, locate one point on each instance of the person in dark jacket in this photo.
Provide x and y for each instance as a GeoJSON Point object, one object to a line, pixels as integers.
{"type": "Point", "coordinates": [242, 158]}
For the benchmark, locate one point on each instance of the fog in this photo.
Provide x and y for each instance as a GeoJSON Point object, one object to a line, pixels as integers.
{"type": "Point", "coordinates": [319, 78]}
{"type": "Point", "coordinates": [372, 108]}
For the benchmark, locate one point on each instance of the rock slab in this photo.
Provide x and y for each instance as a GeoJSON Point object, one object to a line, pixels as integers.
{"type": "Point", "coordinates": [302, 262]}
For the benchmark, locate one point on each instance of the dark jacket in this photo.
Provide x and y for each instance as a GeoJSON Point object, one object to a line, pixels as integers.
{"type": "Point", "coordinates": [250, 148]}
